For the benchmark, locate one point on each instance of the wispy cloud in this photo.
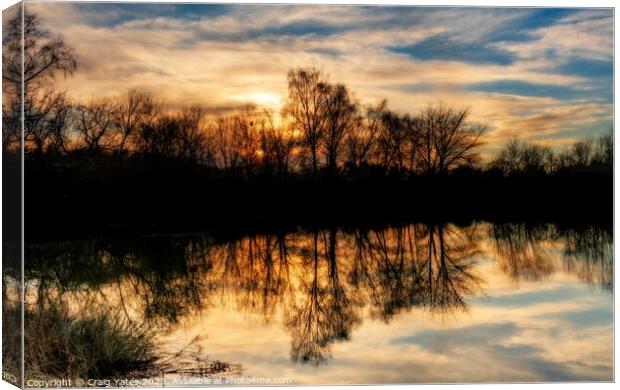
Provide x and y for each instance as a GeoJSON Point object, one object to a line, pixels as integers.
{"type": "Point", "coordinates": [588, 35]}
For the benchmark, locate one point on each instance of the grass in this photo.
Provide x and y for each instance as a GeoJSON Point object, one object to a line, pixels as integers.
{"type": "Point", "coordinates": [11, 341]}
{"type": "Point", "coordinates": [59, 345]}
{"type": "Point", "coordinates": [92, 345]}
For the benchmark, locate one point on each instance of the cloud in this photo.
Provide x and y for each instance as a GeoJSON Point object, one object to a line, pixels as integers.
{"type": "Point", "coordinates": [581, 35]}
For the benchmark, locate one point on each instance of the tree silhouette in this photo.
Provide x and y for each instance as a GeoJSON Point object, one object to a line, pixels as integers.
{"type": "Point", "coordinates": [392, 141]}
{"type": "Point", "coordinates": [519, 157]}
{"type": "Point", "coordinates": [361, 143]}
{"type": "Point", "coordinates": [341, 115]}
{"type": "Point", "coordinates": [95, 123]}
{"type": "Point", "coordinates": [53, 121]}
{"type": "Point", "coordinates": [306, 107]}
{"type": "Point", "coordinates": [447, 140]}
{"type": "Point", "coordinates": [136, 110]}
{"type": "Point", "coordinates": [176, 135]}
{"type": "Point", "coordinates": [276, 148]}
{"type": "Point", "coordinates": [44, 56]}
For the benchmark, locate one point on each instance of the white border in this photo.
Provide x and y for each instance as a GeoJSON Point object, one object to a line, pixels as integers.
{"type": "Point", "coordinates": [483, 3]}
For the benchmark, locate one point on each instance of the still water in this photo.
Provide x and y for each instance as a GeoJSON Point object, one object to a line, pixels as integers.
{"type": "Point", "coordinates": [393, 304]}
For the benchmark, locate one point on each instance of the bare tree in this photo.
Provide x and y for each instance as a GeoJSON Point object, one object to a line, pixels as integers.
{"type": "Point", "coordinates": [604, 153]}
{"type": "Point", "coordinates": [276, 148]}
{"type": "Point", "coordinates": [49, 123]}
{"type": "Point", "coordinates": [340, 118]}
{"type": "Point", "coordinates": [43, 57]}
{"type": "Point", "coordinates": [236, 138]}
{"type": "Point", "coordinates": [95, 123]}
{"type": "Point", "coordinates": [136, 109]}
{"type": "Point", "coordinates": [248, 139]}
{"type": "Point", "coordinates": [192, 139]}
{"type": "Point", "coordinates": [520, 157]}
{"type": "Point", "coordinates": [227, 152]}
{"type": "Point", "coordinates": [180, 134]}
{"type": "Point", "coordinates": [583, 152]}
{"type": "Point", "coordinates": [58, 123]}
{"type": "Point", "coordinates": [305, 106]}
{"type": "Point", "coordinates": [43, 54]}
{"type": "Point", "coordinates": [362, 141]}
{"type": "Point", "coordinates": [158, 137]}
{"type": "Point", "coordinates": [588, 153]}
{"type": "Point", "coordinates": [447, 140]}
{"type": "Point", "coordinates": [392, 140]}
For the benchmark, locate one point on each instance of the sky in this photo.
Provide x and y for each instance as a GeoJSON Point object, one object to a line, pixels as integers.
{"type": "Point", "coordinates": [539, 74]}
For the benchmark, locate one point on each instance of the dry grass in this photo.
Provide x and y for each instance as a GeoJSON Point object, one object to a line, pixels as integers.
{"type": "Point", "coordinates": [11, 339]}
{"type": "Point", "coordinates": [102, 346]}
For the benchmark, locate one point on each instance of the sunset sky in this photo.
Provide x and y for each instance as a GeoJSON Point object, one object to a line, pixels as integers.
{"type": "Point", "coordinates": [541, 74]}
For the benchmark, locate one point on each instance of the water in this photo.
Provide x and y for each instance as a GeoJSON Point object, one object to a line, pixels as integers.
{"type": "Point", "coordinates": [393, 304]}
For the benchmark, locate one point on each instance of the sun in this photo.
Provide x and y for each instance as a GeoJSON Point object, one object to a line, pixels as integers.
{"type": "Point", "coordinates": [268, 99]}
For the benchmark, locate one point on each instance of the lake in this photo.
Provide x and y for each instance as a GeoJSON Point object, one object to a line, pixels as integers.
{"type": "Point", "coordinates": [409, 303]}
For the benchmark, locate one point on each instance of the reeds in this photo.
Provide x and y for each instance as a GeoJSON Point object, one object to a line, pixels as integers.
{"type": "Point", "coordinates": [61, 345]}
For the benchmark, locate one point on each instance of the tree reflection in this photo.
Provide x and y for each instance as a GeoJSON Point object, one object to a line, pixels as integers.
{"type": "Point", "coordinates": [588, 253]}
{"type": "Point", "coordinates": [448, 276]}
{"type": "Point", "coordinates": [151, 280]}
{"type": "Point", "coordinates": [533, 252]}
{"type": "Point", "coordinates": [326, 313]}
{"type": "Point", "coordinates": [429, 266]}
{"type": "Point", "coordinates": [521, 252]}
{"type": "Point", "coordinates": [320, 283]}
{"type": "Point", "coordinates": [256, 272]}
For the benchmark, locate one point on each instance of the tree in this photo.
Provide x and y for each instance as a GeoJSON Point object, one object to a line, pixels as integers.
{"type": "Point", "coordinates": [588, 154]}
{"type": "Point", "coordinates": [276, 148]}
{"type": "Point", "coordinates": [392, 141]}
{"type": "Point", "coordinates": [57, 123]}
{"type": "Point", "coordinates": [227, 152]}
{"type": "Point", "coordinates": [446, 139]}
{"type": "Point", "coordinates": [43, 57]}
{"type": "Point", "coordinates": [191, 138]}
{"type": "Point", "coordinates": [306, 109]}
{"type": "Point", "coordinates": [583, 152]}
{"type": "Point", "coordinates": [248, 139]}
{"type": "Point", "coordinates": [362, 140]}
{"type": "Point", "coordinates": [49, 124]}
{"type": "Point", "coordinates": [519, 157]}
{"type": "Point", "coordinates": [340, 118]}
{"type": "Point", "coordinates": [604, 153]}
{"type": "Point", "coordinates": [159, 138]}
{"type": "Point", "coordinates": [95, 123]}
{"type": "Point", "coordinates": [176, 135]}
{"type": "Point", "coordinates": [136, 110]}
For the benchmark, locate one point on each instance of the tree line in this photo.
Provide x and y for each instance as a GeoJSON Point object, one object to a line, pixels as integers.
{"type": "Point", "coordinates": [523, 158]}
{"type": "Point", "coordinates": [323, 130]}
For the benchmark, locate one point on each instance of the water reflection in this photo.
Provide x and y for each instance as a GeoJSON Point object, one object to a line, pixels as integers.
{"type": "Point", "coordinates": [529, 252]}
{"type": "Point", "coordinates": [319, 285]}
{"type": "Point", "coordinates": [326, 311]}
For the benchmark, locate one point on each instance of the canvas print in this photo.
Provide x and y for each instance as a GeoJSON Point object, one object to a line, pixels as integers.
{"type": "Point", "coordinates": [299, 194]}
